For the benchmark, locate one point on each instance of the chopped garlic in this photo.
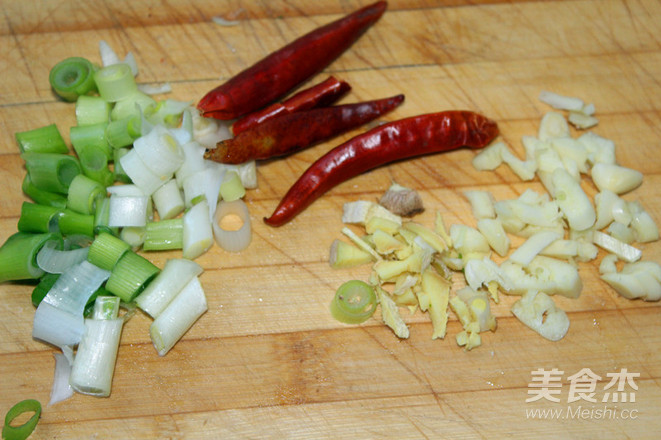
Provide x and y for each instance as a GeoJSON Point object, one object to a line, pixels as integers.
{"type": "Point", "coordinates": [481, 203]}
{"type": "Point", "coordinates": [624, 251]}
{"type": "Point", "coordinates": [525, 170]}
{"type": "Point", "coordinates": [538, 311]}
{"type": "Point", "coordinates": [615, 178]}
{"type": "Point", "coordinates": [489, 158]}
{"type": "Point", "coordinates": [555, 277]}
{"type": "Point", "coordinates": [493, 232]}
{"type": "Point", "coordinates": [561, 102]}
{"type": "Point", "coordinates": [525, 253]}
{"type": "Point", "coordinates": [642, 223]}
{"type": "Point", "coordinates": [637, 280]}
{"type": "Point", "coordinates": [582, 121]}
{"type": "Point", "coordinates": [553, 125]}
{"type": "Point", "coordinates": [572, 201]}
{"type": "Point", "coordinates": [480, 273]}
{"type": "Point", "coordinates": [607, 264]}
{"type": "Point", "coordinates": [599, 149]}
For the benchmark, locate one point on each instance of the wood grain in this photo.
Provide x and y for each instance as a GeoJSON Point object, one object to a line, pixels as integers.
{"type": "Point", "coordinates": [268, 360]}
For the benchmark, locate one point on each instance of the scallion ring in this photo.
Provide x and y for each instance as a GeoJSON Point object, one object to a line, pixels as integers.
{"type": "Point", "coordinates": [354, 302]}
{"type": "Point", "coordinates": [23, 431]}
{"type": "Point", "coordinates": [72, 77]}
{"type": "Point", "coordinates": [232, 240]}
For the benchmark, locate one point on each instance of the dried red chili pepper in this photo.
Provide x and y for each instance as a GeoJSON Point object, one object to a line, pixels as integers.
{"type": "Point", "coordinates": [293, 132]}
{"type": "Point", "coordinates": [319, 95]}
{"type": "Point", "coordinates": [284, 69]}
{"type": "Point", "coordinates": [410, 137]}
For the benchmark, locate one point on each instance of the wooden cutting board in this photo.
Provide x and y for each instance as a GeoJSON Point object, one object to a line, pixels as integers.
{"type": "Point", "coordinates": [267, 360]}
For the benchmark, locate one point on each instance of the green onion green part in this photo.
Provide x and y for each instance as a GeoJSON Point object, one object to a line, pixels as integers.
{"type": "Point", "coordinates": [38, 218]}
{"type": "Point", "coordinates": [90, 136]}
{"type": "Point", "coordinates": [74, 223]}
{"type": "Point", "coordinates": [115, 82]}
{"type": "Point", "coordinates": [41, 196]}
{"type": "Point", "coordinates": [354, 302]}
{"type": "Point", "coordinates": [10, 432]}
{"type": "Point", "coordinates": [118, 171]}
{"type": "Point", "coordinates": [101, 216]}
{"type": "Point", "coordinates": [106, 250]}
{"type": "Point", "coordinates": [91, 110]}
{"type": "Point", "coordinates": [72, 77]}
{"type": "Point", "coordinates": [122, 132]}
{"type": "Point", "coordinates": [130, 276]}
{"type": "Point", "coordinates": [84, 194]}
{"type": "Point", "coordinates": [164, 235]}
{"type": "Point", "coordinates": [45, 139]}
{"type": "Point", "coordinates": [94, 163]}
{"type": "Point", "coordinates": [40, 291]}
{"type": "Point", "coordinates": [51, 171]}
{"type": "Point", "coordinates": [132, 106]}
{"type": "Point", "coordinates": [18, 255]}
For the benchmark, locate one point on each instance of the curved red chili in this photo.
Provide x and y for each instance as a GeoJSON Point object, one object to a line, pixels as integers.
{"type": "Point", "coordinates": [410, 137]}
{"type": "Point", "coordinates": [293, 132]}
{"type": "Point", "coordinates": [278, 73]}
{"type": "Point", "coordinates": [319, 95]}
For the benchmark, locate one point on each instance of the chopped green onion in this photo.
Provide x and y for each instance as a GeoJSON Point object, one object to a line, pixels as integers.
{"type": "Point", "coordinates": [123, 132]}
{"type": "Point", "coordinates": [133, 235]}
{"type": "Point", "coordinates": [91, 110]}
{"type": "Point", "coordinates": [45, 284]}
{"type": "Point", "coordinates": [51, 171]}
{"type": "Point", "coordinates": [72, 77]}
{"type": "Point", "coordinates": [115, 82]}
{"type": "Point", "coordinates": [128, 211]}
{"type": "Point", "coordinates": [38, 218]}
{"type": "Point", "coordinates": [45, 139]}
{"type": "Point", "coordinates": [53, 260]}
{"type": "Point", "coordinates": [232, 239]}
{"type": "Point", "coordinates": [168, 200]}
{"type": "Point", "coordinates": [84, 194]}
{"type": "Point", "coordinates": [139, 173]}
{"type": "Point", "coordinates": [41, 196]}
{"type": "Point", "coordinates": [176, 274]}
{"type": "Point", "coordinates": [74, 223]}
{"type": "Point", "coordinates": [164, 235]}
{"type": "Point", "coordinates": [106, 250]}
{"type": "Point", "coordinates": [182, 312]}
{"type": "Point", "coordinates": [85, 136]}
{"type": "Point", "coordinates": [106, 307]}
{"type": "Point", "coordinates": [130, 276]}
{"type": "Point", "coordinates": [101, 217]}
{"type": "Point", "coordinates": [131, 106]}
{"type": "Point", "coordinates": [168, 112]}
{"type": "Point", "coordinates": [354, 302]}
{"type": "Point", "coordinates": [94, 163]}
{"type": "Point", "coordinates": [118, 171]}
{"type": "Point", "coordinates": [231, 189]}
{"type": "Point", "coordinates": [160, 152]}
{"type": "Point", "coordinates": [198, 235]}
{"type": "Point", "coordinates": [18, 255]}
{"type": "Point", "coordinates": [94, 364]}
{"type": "Point", "coordinates": [10, 432]}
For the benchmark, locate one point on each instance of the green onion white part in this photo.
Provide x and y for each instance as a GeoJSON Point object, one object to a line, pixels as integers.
{"type": "Point", "coordinates": [168, 200]}
{"type": "Point", "coordinates": [160, 152]}
{"type": "Point", "coordinates": [178, 317]}
{"type": "Point", "coordinates": [176, 274]}
{"type": "Point", "coordinates": [140, 174]}
{"type": "Point", "coordinates": [198, 235]}
{"type": "Point", "coordinates": [94, 363]}
{"type": "Point", "coordinates": [128, 211]}
{"type": "Point", "coordinates": [232, 240]}
{"type": "Point", "coordinates": [52, 260]}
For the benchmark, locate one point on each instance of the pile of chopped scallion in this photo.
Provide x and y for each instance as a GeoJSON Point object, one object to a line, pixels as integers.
{"type": "Point", "coordinates": [136, 181]}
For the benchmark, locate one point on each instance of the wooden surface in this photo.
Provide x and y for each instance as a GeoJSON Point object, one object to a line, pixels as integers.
{"type": "Point", "coordinates": [268, 360]}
